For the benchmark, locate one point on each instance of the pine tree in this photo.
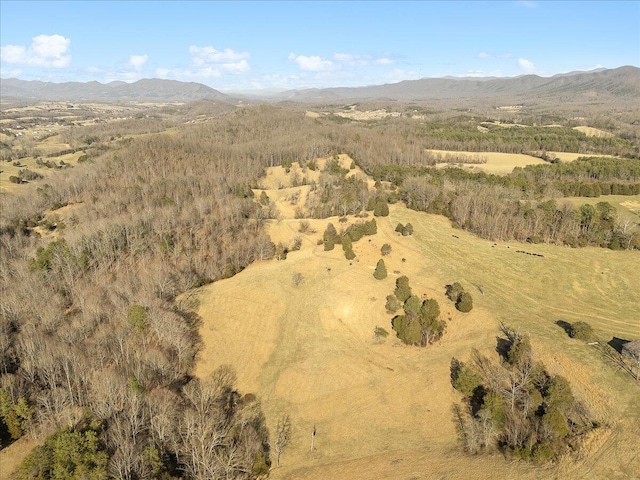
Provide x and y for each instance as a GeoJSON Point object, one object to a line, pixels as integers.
{"type": "Point", "coordinates": [381, 270]}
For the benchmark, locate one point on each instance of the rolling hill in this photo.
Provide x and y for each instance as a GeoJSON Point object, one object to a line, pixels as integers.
{"type": "Point", "coordinates": [597, 85]}
{"type": "Point", "coordinates": [147, 89]}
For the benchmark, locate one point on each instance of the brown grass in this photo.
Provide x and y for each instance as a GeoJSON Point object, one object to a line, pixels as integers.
{"type": "Point", "coordinates": [593, 132]}
{"type": "Point", "coordinates": [499, 163]}
{"type": "Point", "coordinates": [382, 409]}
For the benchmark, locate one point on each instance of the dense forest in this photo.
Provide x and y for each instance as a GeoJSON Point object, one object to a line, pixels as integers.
{"type": "Point", "coordinates": [97, 341]}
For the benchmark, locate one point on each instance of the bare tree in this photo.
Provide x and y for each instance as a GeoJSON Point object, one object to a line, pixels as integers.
{"type": "Point", "coordinates": [283, 436]}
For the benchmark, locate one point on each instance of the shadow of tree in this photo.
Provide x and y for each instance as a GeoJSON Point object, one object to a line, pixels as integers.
{"type": "Point", "coordinates": [502, 347]}
{"type": "Point", "coordinates": [566, 326]}
{"type": "Point", "coordinates": [617, 343]}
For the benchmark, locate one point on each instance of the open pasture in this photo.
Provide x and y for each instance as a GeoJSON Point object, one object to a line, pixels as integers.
{"type": "Point", "coordinates": [308, 350]}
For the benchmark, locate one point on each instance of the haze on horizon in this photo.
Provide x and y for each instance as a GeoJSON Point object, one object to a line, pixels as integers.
{"type": "Point", "coordinates": [236, 46]}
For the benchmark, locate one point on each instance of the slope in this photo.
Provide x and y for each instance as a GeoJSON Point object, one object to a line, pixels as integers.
{"type": "Point", "coordinates": [382, 409]}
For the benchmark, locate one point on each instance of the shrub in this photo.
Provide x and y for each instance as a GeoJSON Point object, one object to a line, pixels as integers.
{"type": "Point", "coordinates": [412, 305]}
{"type": "Point", "coordinates": [463, 378]}
{"type": "Point", "coordinates": [297, 243]}
{"type": "Point", "coordinates": [348, 248]}
{"type": "Point", "coordinates": [403, 290]}
{"type": "Point", "coordinates": [407, 328]}
{"type": "Point", "coordinates": [392, 305]}
{"type": "Point", "coordinates": [264, 198]}
{"type": "Point", "coordinates": [407, 230]}
{"type": "Point", "coordinates": [137, 317]}
{"type": "Point", "coordinates": [14, 179]}
{"type": "Point", "coordinates": [385, 249]}
{"type": "Point", "coordinates": [399, 228]}
{"type": "Point", "coordinates": [464, 303]}
{"type": "Point", "coordinates": [330, 237]}
{"type": "Point", "coordinates": [381, 270]}
{"type": "Point", "coordinates": [370, 227]}
{"type": "Point", "coordinates": [281, 251]}
{"type": "Point", "coordinates": [430, 310]}
{"type": "Point", "coordinates": [381, 208]}
{"type": "Point", "coordinates": [380, 332]}
{"type": "Point", "coordinates": [581, 331]}
{"type": "Point", "coordinates": [297, 279]}
{"type": "Point", "coordinates": [453, 291]}
{"type": "Point", "coordinates": [304, 226]}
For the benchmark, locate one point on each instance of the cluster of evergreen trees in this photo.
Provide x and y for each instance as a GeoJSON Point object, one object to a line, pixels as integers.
{"type": "Point", "coordinates": [420, 323]}
{"type": "Point", "coordinates": [516, 405]}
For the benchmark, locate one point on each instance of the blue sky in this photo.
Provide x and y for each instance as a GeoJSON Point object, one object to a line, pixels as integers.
{"type": "Point", "coordinates": [264, 45]}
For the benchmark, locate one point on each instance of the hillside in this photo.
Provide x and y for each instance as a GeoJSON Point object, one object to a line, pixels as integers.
{"type": "Point", "coordinates": [580, 87]}
{"type": "Point", "coordinates": [147, 89]}
{"type": "Point", "coordinates": [383, 409]}
{"type": "Point", "coordinates": [623, 82]}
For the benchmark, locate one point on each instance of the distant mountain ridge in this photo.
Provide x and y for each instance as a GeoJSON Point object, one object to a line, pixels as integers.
{"type": "Point", "coordinates": [152, 89]}
{"type": "Point", "coordinates": [619, 82]}
{"type": "Point", "coordinates": [600, 84]}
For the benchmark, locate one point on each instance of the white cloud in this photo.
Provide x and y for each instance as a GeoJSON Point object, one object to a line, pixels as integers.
{"type": "Point", "coordinates": [44, 51]}
{"type": "Point", "coordinates": [313, 63]}
{"type": "Point", "coordinates": [526, 65]}
{"type": "Point", "coordinates": [210, 62]}
{"type": "Point", "coordinates": [201, 56]}
{"type": "Point", "coordinates": [484, 55]}
{"type": "Point", "coordinates": [137, 61]}
{"type": "Point", "coordinates": [351, 60]}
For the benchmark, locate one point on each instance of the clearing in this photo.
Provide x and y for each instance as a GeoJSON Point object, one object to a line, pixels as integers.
{"type": "Point", "coordinates": [498, 163]}
{"type": "Point", "coordinates": [382, 409]}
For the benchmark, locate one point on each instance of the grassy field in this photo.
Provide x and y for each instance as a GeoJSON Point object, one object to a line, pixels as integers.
{"type": "Point", "coordinates": [382, 409]}
{"type": "Point", "coordinates": [593, 132]}
{"type": "Point", "coordinates": [627, 206]}
{"type": "Point", "coordinates": [7, 169]}
{"type": "Point", "coordinates": [499, 163]}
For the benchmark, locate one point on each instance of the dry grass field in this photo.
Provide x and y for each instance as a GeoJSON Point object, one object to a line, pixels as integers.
{"type": "Point", "coordinates": [627, 206]}
{"type": "Point", "coordinates": [498, 163]}
{"type": "Point", "coordinates": [593, 132]}
{"type": "Point", "coordinates": [8, 169]}
{"type": "Point", "coordinates": [382, 409]}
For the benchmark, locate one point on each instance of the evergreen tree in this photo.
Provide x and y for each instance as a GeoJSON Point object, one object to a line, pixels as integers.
{"type": "Point", "coordinates": [464, 302]}
{"type": "Point", "coordinates": [403, 290]}
{"type": "Point", "coordinates": [347, 246]}
{"type": "Point", "coordinates": [381, 270]}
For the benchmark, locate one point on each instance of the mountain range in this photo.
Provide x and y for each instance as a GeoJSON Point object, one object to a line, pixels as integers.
{"type": "Point", "coordinates": [601, 84]}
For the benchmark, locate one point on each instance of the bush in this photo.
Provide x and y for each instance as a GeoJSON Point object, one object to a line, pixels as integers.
{"type": "Point", "coordinates": [281, 251]}
{"type": "Point", "coordinates": [385, 250]}
{"type": "Point", "coordinates": [399, 228]}
{"type": "Point", "coordinates": [392, 305]}
{"type": "Point", "coordinates": [381, 208]}
{"type": "Point", "coordinates": [137, 317]}
{"type": "Point", "coordinates": [380, 332]}
{"type": "Point", "coordinates": [453, 291]}
{"type": "Point", "coordinates": [370, 227]}
{"type": "Point", "coordinates": [304, 226]}
{"type": "Point", "coordinates": [381, 270]}
{"type": "Point", "coordinates": [581, 331]}
{"type": "Point", "coordinates": [407, 230]}
{"type": "Point", "coordinates": [463, 378]}
{"type": "Point", "coordinates": [330, 237]}
{"type": "Point", "coordinates": [407, 328]}
{"type": "Point", "coordinates": [412, 305]}
{"type": "Point", "coordinates": [403, 290]}
{"type": "Point", "coordinates": [464, 303]}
